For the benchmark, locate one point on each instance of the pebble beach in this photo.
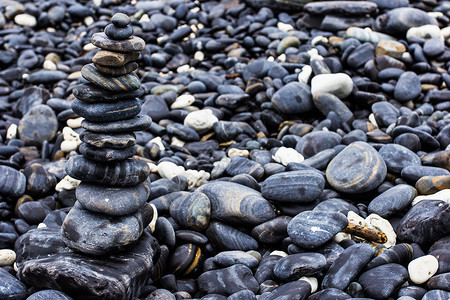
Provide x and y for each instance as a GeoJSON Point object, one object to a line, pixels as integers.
{"type": "Point", "coordinates": [225, 150]}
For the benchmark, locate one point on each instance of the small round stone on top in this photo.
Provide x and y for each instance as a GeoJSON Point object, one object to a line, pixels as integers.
{"type": "Point", "coordinates": [120, 20]}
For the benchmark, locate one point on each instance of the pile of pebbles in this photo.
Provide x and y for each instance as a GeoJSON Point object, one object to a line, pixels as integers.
{"type": "Point", "coordinates": [296, 150]}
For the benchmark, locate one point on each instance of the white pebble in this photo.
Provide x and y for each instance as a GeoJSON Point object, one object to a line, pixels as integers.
{"type": "Point", "coordinates": [11, 133]}
{"type": "Point", "coordinates": [312, 282]}
{"type": "Point", "coordinates": [201, 121]}
{"type": "Point", "coordinates": [152, 224]}
{"type": "Point", "coordinates": [67, 146]}
{"type": "Point", "coordinates": [49, 65]}
{"type": "Point", "coordinates": [445, 32]}
{"type": "Point", "coordinates": [383, 225]}
{"type": "Point", "coordinates": [282, 57]}
{"type": "Point", "coordinates": [7, 257]}
{"type": "Point", "coordinates": [422, 268]}
{"type": "Point", "coordinates": [340, 236]}
{"type": "Point", "coordinates": [67, 183]}
{"type": "Point", "coordinates": [183, 69]}
{"type": "Point", "coordinates": [318, 39]}
{"type": "Point", "coordinates": [75, 123]}
{"type": "Point", "coordinates": [284, 27]}
{"type": "Point", "coordinates": [339, 84]}
{"type": "Point", "coordinates": [182, 101]}
{"type": "Point", "coordinates": [305, 74]}
{"type": "Point", "coordinates": [158, 141]}
{"type": "Point", "coordinates": [25, 20]}
{"type": "Point", "coordinates": [425, 32]}
{"type": "Point", "coordinates": [196, 178]}
{"type": "Point", "coordinates": [286, 155]}
{"type": "Point", "coordinates": [71, 140]}
{"type": "Point", "coordinates": [443, 195]}
{"type": "Point", "coordinates": [238, 152]}
{"type": "Point", "coordinates": [89, 47]}
{"type": "Point", "coordinates": [88, 20]}
{"type": "Point", "coordinates": [279, 253]}
{"type": "Point", "coordinates": [169, 170]}
{"type": "Point", "coordinates": [177, 142]}
{"type": "Point", "coordinates": [199, 56]}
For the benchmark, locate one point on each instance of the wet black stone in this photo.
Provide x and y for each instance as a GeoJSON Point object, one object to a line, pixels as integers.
{"type": "Point", "coordinates": [89, 92]}
{"type": "Point", "coordinates": [408, 87]}
{"type": "Point", "coordinates": [33, 212]}
{"type": "Point", "coordinates": [242, 165]}
{"type": "Point", "coordinates": [139, 122]}
{"type": "Point", "coordinates": [155, 107]}
{"type": "Point", "coordinates": [12, 182]}
{"type": "Point", "coordinates": [229, 258]}
{"type": "Point", "coordinates": [399, 20]}
{"type": "Point", "coordinates": [183, 132]}
{"type": "Point", "coordinates": [428, 142]}
{"type": "Point", "coordinates": [295, 290]}
{"type": "Point", "coordinates": [98, 234]}
{"type": "Point", "coordinates": [413, 173]}
{"type": "Point", "coordinates": [107, 112]}
{"type": "Point", "coordinates": [327, 102]}
{"type": "Point", "coordinates": [228, 281]}
{"type": "Point", "coordinates": [118, 33]}
{"type": "Point", "coordinates": [409, 141]}
{"type": "Point", "coordinates": [272, 231]}
{"type": "Point", "coordinates": [295, 266]}
{"type": "Point", "coordinates": [11, 287]}
{"type": "Point", "coordinates": [294, 187]}
{"type": "Point", "coordinates": [317, 141]}
{"type": "Point", "coordinates": [425, 222]}
{"type": "Point", "coordinates": [398, 157]}
{"type": "Point", "coordinates": [392, 201]}
{"type": "Point", "coordinates": [293, 98]}
{"type": "Point", "coordinates": [347, 266]}
{"type": "Point", "coordinates": [389, 276]}
{"type": "Point", "coordinates": [225, 237]}
{"type": "Point", "coordinates": [311, 229]}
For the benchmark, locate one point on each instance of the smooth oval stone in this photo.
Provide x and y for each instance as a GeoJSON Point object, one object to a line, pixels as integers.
{"type": "Point", "coordinates": [124, 83]}
{"type": "Point", "coordinates": [107, 112]}
{"type": "Point", "coordinates": [361, 54]}
{"type": "Point", "coordinates": [123, 173]}
{"type": "Point", "coordinates": [120, 19]}
{"type": "Point", "coordinates": [408, 87]}
{"type": "Point", "coordinates": [118, 33]}
{"type": "Point", "coordinates": [49, 294]}
{"type": "Point", "coordinates": [117, 71]}
{"type": "Point", "coordinates": [228, 280]}
{"type": "Point", "coordinates": [297, 186]}
{"type": "Point", "coordinates": [436, 295]}
{"type": "Point", "coordinates": [113, 201]}
{"type": "Point", "coordinates": [336, 205]}
{"type": "Point", "coordinates": [311, 229]}
{"type": "Point", "coordinates": [39, 124]}
{"type": "Point", "coordinates": [433, 47]}
{"type": "Point", "coordinates": [392, 201]}
{"type": "Point", "coordinates": [183, 132]}
{"type": "Point", "coordinates": [133, 43]}
{"type": "Point", "coordinates": [139, 122]}
{"type": "Point", "coordinates": [409, 140]}
{"type": "Point", "coordinates": [184, 259]}
{"type": "Point", "coordinates": [385, 113]}
{"type": "Point", "coordinates": [314, 142]}
{"type": "Point", "coordinates": [39, 181]}
{"type": "Point", "coordinates": [427, 141]}
{"type": "Point", "coordinates": [237, 204]}
{"type": "Point", "coordinates": [412, 291]}
{"type": "Point", "coordinates": [432, 184]}
{"type": "Point", "coordinates": [106, 154]}
{"type": "Point", "coordinates": [347, 266]}
{"type": "Point", "coordinates": [399, 20]}
{"type": "Point", "coordinates": [89, 92]}
{"type": "Point", "coordinates": [422, 268]}
{"type": "Point", "coordinates": [331, 293]}
{"type": "Point", "coordinates": [164, 232]}
{"type": "Point", "coordinates": [225, 237]}
{"type": "Point", "coordinates": [272, 231]}
{"type": "Point", "coordinates": [33, 212]}
{"type": "Point", "coordinates": [115, 141]}
{"type": "Point", "coordinates": [439, 282]}
{"type": "Point", "coordinates": [190, 236]}
{"type": "Point", "coordinates": [293, 98]}
{"type": "Point", "coordinates": [326, 103]}
{"type": "Point", "coordinates": [286, 42]}
{"type": "Point", "coordinates": [339, 84]}
{"type": "Point", "coordinates": [264, 271]}
{"type": "Point", "coordinates": [12, 182]}
{"type": "Point", "coordinates": [11, 287]}
{"type": "Point", "coordinates": [98, 234]}
{"type": "Point", "coordinates": [294, 290]}
{"type": "Point", "coordinates": [294, 266]}
{"type": "Point", "coordinates": [46, 76]}
{"type": "Point", "coordinates": [356, 169]}
{"type": "Point", "coordinates": [389, 276]}
{"type": "Point", "coordinates": [425, 222]}
{"type": "Point", "coordinates": [400, 253]}
{"type": "Point", "coordinates": [229, 258]}
{"type": "Point", "coordinates": [191, 211]}
{"type": "Point", "coordinates": [242, 165]}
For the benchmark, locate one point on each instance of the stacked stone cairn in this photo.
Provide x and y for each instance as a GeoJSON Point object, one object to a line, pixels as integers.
{"type": "Point", "coordinates": [111, 211]}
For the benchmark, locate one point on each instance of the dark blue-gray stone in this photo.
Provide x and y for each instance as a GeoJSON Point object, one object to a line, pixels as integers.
{"type": "Point", "coordinates": [413, 173]}
{"type": "Point", "coordinates": [12, 182]}
{"type": "Point", "coordinates": [225, 237]}
{"type": "Point", "coordinates": [347, 266]}
{"type": "Point", "coordinates": [272, 231]}
{"type": "Point", "coordinates": [361, 55]}
{"type": "Point", "coordinates": [49, 294]}
{"type": "Point", "coordinates": [118, 33]}
{"type": "Point", "coordinates": [408, 87]}
{"type": "Point", "coordinates": [436, 295]}
{"type": "Point", "coordinates": [295, 266]}
{"type": "Point", "coordinates": [107, 112]}
{"type": "Point", "coordinates": [293, 98]}
{"type": "Point", "coordinates": [106, 154]}
{"type": "Point", "coordinates": [184, 133]}
{"type": "Point", "coordinates": [294, 290]}
{"type": "Point", "coordinates": [311, 229]}
{"type": "Point", "coordinates": [46, 76]}
{"type": "Point", "coordinates": [139, 122]}
{"type": "Point", "coordinates": [385, 113]}
{"type": "Point", "coordinates": [393, 200]}
{"type": "Point", "coordinates": [99, 234]}
{"type": "Point", "coordinates": [229, 258]}
{"type": "Point", "coordinates": [326, 103]}
{"type": "Point", "coordinates": [314, 142]}
{"type": "Point", "coordinates": [191, 211]}
{"type": "Point", "coordinates": [425, 222]}
{"type": "Point", "coordinates": [228, 281]}
{"type": "Point", "coordinates": [433, 47]}
{"type": "Point", "coordinates": [296, 186]}
{"type": "Point", "coordinates": [38, 125]}
{"type": "Point", "coordinates": [390, 277]}
{"type": "Point", "coordinates": [113, 201]}
{"type": "Point", "coordinates": [336, 205]}
{"type": "Point", "coordinates": [399, 20]}
{"type": "Point", "coordinates": [120, 19]}
{"type": "Point", "coordinates": [11, 287]}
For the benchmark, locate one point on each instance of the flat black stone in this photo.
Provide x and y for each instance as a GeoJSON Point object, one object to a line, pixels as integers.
{"type": "Point", "coordinates": [113, 201]}
{"type": "Point", "coordinates": [392, 201]}
{"type": "Point", "coordinates": [107, 112]}
{"type": "Point", "coordinates": [389, 276]}
{"type": "Point", "coordinates": [11, 287]}
{"type": "Point", "coordinates": [89, 92]}
{"type": "Point", "coordinates": [295, 266]}
{"type": "Point", "coordinates": [139, 122]}
{"type": "Point", "coordinates": [118, 33]}
{"type": "Point", "coordinates": [123, 173]}
{"type": "Point", "coordinates": [106, 154]}
{"type": "Point", "coordinates": [44, 261]}
{"type": "Point", "coordinates": [341, 8]}
{"type": "Point", "coordinates": [115, 141]}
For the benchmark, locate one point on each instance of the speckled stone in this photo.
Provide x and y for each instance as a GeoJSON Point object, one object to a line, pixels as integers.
{"type": "Point", "coordinates": [356, 169]}
{"type": "Point", "coordinates": [124, 83]}
{"type": "Point", "coordinates": [107, 112]}
{"type": "Point", "coordinates": [113, 201]}
{"type": "Point", "coordinates": [389, 276]}
{"type": "Point", "coordinates": [311, 229]}
{"type": "Point", "coordinates": [133, 43]}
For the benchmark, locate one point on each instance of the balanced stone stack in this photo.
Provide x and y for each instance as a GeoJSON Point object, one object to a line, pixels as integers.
{"type": "Point", "coordinates": [111, 211]}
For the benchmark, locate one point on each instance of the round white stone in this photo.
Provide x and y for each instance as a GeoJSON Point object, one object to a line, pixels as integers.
{"type": "Point", "coordinates": [422, 268]}
{"type": "Point", "coordinates": [25, 20]}
{"type": "Point", "coordinates": [182, 101]}
{"type": "Point", "coordinates": [201, 121]}
{"type": "Point", "coordinates": [339, 84]}
{"type": "Point", "coordinates": [7, 257]}
{"type": "Point", "coordinates": [67, 183]}
{"type": "Point", "coordinates": [425, 32]}
{"type": "Point", "coordinates": [286, 155]}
